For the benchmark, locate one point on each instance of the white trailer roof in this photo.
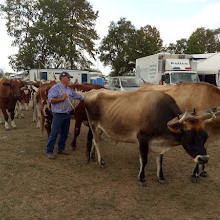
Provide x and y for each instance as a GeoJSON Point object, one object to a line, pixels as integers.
{"type": "Point", "coordinates": [209, 65]}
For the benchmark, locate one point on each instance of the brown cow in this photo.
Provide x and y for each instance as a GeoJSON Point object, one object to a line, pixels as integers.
{"type": "Point", "coordinates": [23, 101]}
{"type": "Point", "coordinates": [10, 91]}
{"type": "Point", "coordinates": [190, 96]}
{"type": "Point", "coordinates": [148, 119]}
{"type": "Point", "coordinates": [43, 107]}
{"type": "Point", "coordinates": [194, 96]}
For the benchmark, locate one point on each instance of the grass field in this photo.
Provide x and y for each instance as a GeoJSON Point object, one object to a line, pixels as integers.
{"type": "Point", "coordinates": [34, 187]}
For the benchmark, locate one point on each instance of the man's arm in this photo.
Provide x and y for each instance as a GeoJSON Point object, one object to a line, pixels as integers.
{"type": "Point", "coordinates": [57, 100]}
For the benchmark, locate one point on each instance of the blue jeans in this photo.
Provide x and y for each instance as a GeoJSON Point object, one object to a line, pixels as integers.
{"type": "Point", "coordinates": [60, 124]}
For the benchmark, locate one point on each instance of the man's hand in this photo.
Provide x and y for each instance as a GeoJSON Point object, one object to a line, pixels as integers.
{"type": "Point", "coordinates": [64, 96]}
{"type": "Point", "coordinates": [57, 100]}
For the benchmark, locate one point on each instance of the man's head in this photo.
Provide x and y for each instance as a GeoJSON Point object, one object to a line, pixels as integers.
{"type": "Point", "coordinates": [65, 78]}
{"type": "Point", "coordinates": [65, 74]}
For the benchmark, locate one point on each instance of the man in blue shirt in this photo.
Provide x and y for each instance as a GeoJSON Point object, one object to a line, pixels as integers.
{"type": "Point", "coordinates": [61, 108]}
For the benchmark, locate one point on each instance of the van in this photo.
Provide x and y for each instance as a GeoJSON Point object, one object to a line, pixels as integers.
{"type": "Point", "coordinates": [124, 83]}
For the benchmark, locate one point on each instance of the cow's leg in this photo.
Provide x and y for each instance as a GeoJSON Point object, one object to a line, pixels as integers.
{"type": "Point", "coordinates": [96, 141]}
{"type": "Point", "coordinates": [34, 108]}
{"type": "Point", "coordinates": [6, 118]}
{"type": "Point", "coordinates": [26, 107]}
{"type": "Point", "coordinates": [203, 173]}
{"type": "Point", "coordinates": [48, 122]}
{"type": "Point", "coordinates": [90, 153]}
{"type": "Point", "coordinates": [22, 109]}
{"type": "Point", "coordinates": [38, 111]}
{"type": "Point", "coordinates": [34, 118]}
{"type": "Point", "coordinates": [159, 161]}
{"type": "Point", "coordinates": [17, 110]}
{"type": "Point", "coordinates": [143, 155]}
{"type": "Point", "coordinates": [12, 114]}
{"type": "Point", "coordinates": [195, 175]}
{"type": "Point", "coordinates": [77, 128]}
{"type": "Point", "coordinates": [97, 147]}
{"type": "Point", "coordinates": [1, 121]}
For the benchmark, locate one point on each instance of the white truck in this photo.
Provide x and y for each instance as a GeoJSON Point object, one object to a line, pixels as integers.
{"type": "Point", "coordinates": [208, 67]}
{"type": "Point", "coordinates": [167, 68]}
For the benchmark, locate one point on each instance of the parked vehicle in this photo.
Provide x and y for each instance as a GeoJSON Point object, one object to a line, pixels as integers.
{"type": "Point", "coordinates": [168, 68]}
{"type": "Point", "coordinates": [124, 83]}
{"type": "Point", "coordinates": [208, 67]}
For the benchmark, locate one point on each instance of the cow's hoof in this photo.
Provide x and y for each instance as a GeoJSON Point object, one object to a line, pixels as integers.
{"type": "Point", "coordinates": [93, 158]}
{"type": "Point", "coordinates": [163, 181]}
{"type": "Point", "coordinates": [142, 184]}
{"type": "Point", "coordinates": [102, 165]}
{"type": "Point", "coordinates": [203, 174]}
{"type": "Point", "coordinates": [194, 179]}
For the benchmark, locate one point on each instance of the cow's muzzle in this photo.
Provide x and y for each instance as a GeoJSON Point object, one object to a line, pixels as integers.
{"type": "Point", "coordinates": [201, 159]}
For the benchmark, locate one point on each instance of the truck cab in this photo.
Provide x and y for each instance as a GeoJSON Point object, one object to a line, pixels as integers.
{"type": "Point", "coordinates": [167, 68]}
{"type": "Point", "coordinates": [174, 77]}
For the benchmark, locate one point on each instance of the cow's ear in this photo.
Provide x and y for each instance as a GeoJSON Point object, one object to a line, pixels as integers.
{"type": "Point", "coordinates": [176, 128]}
{"type": "Point", "coordinates": [7, 84]}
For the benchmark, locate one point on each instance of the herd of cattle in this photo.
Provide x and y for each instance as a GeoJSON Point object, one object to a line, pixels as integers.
{"type": "Point", "coordinates": [154, 117]}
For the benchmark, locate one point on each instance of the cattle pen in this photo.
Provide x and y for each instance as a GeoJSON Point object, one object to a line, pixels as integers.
{"type": "Point", "coordinates": [33, 187]}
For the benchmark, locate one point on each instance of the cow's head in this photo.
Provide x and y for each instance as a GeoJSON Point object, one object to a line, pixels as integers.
{"type": "Point", "coordinates": [14, 87]}
{"type": "Point", "coordinates": [190, 128]}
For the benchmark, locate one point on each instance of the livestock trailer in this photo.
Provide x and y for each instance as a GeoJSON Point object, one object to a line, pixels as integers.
{"type": "Point", "coordinates": [83, 76]}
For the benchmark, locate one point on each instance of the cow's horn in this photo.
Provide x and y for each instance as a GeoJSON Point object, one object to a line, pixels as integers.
{"type": "Point", "coordinates": [210, 119]}
{"type": "Point", "coordinates": [183, 118]}
{"type": "Point", "coordinates": [25, 79]}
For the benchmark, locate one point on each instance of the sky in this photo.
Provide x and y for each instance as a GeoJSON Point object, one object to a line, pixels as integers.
{"type": "Point", "coordinates": [175, 19]}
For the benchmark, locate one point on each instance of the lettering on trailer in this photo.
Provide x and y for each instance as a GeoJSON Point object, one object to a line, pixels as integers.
{"type": "Point", "coordinates": [179, 63]}
{"type": "Point", "coordinates": [152, 71]}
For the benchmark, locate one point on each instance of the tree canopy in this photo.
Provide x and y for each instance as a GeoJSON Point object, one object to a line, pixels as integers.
{"type": "Point", "coordinates": [201, 41]}
{"type": "Point", "coordinates": [59, 33]}
{"type": "Point", "coordinates": [124, 44]}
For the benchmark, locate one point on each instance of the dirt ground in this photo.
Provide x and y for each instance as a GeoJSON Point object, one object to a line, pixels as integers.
{"type": "Point", "coordinates": [34, 187]}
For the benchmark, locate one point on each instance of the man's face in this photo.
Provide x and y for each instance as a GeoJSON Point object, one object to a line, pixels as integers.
{"type": "Point", "coordinates": [65, 80]}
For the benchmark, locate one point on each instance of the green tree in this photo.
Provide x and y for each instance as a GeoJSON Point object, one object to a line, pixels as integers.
{"type": "Point", "coordinates": [115, 47]}
{"type": "Point", "coordinates": [217, 36]}
{"type": "Point", "coordinates": [179, 48]}
{"type": "Point", "coordinates": [59, 33]}
{"type": "Point", "coordinates": [148, 41]}
{"type": "Point", "coordinates": [124, 44]}
{"type": "Point", "coordinates": [202, 41]}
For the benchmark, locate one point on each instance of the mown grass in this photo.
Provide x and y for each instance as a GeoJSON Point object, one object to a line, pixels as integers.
{"type": "Point", "coordinates": [33, 187]}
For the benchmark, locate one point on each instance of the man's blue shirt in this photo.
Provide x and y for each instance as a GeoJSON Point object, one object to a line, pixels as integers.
{"type": "Point", "coordinates": [64, 106]}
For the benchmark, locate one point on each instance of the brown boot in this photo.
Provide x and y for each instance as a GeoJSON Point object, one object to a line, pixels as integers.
{"type": "Point", "coordinates": [63, 152]}
{"type": "Point", "coordinates": [51, 156]}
